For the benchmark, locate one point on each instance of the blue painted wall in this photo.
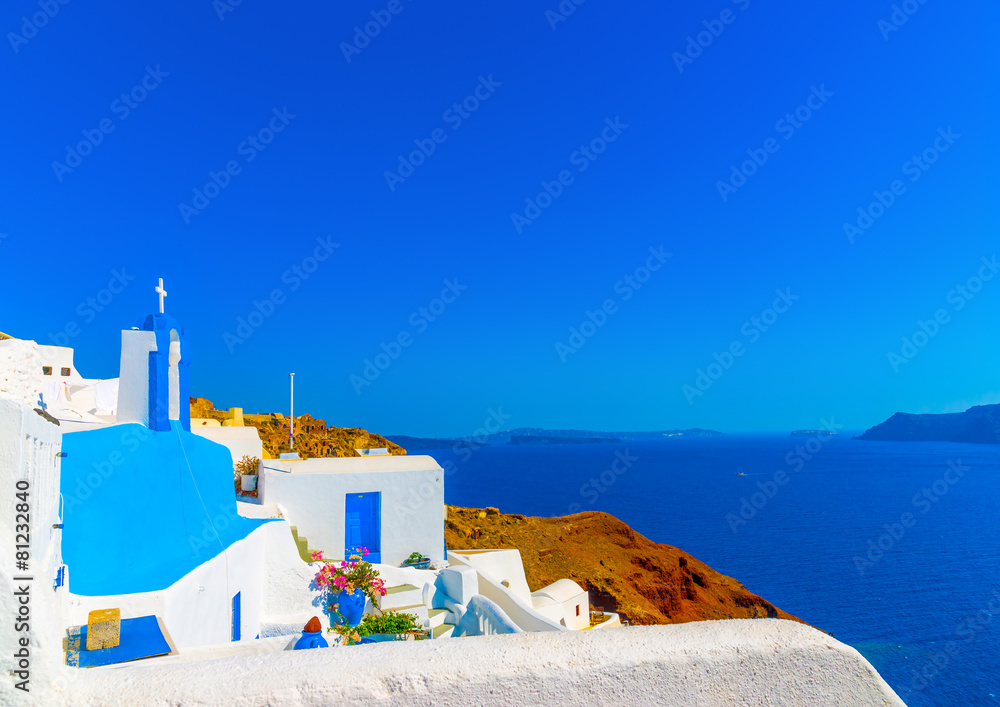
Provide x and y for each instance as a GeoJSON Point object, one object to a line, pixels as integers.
{"type": "Point", "coordinates": [136, 517]}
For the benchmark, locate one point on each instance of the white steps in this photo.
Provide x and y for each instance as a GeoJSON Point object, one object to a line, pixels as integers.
{"type": "Point", "coordinates": [400, 596]}
{"type": "Point", "coordinates": [408, 599]}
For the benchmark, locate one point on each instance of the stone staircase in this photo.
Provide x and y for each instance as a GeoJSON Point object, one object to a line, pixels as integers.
{"type": "Point", "coordinates": [408, 599]}
{"type": "Point", "coordinates": [302, 544]}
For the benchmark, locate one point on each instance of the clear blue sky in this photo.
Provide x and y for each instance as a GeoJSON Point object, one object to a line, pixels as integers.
{"type": "Point", "coordinates": [879, 96]}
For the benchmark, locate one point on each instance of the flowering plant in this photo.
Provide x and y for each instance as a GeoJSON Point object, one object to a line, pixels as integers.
{"type": "Point", "coordinates": [351, 575]}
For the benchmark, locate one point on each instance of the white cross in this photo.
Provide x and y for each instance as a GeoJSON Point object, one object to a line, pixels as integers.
{"type": "Point", "coordinates": [162, 293]}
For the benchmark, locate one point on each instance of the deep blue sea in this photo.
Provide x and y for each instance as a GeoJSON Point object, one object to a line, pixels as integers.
{"type": "Point", "coordinates": [920, 608]}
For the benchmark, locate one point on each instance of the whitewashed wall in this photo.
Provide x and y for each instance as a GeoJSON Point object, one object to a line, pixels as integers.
{"type": "Point", "coordinates": [28, 448]}
{"type": "Point", "coordinates": [133, 384]}
{"type": "Point", "coordinates": [312, 495]}
{"type": "Point", "coordinates": [240, 441]}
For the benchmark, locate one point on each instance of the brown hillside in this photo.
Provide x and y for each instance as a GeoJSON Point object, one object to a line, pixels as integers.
{"type": "Point", "coordinates": [313, 438]}
{"type": "Point", "coordinates": [645, 582]}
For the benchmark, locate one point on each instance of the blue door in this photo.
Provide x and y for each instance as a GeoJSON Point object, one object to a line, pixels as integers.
{"type": "Point", "coordinates": [363, 525]}
{"type": "Point", "coordinates": [237, 617]}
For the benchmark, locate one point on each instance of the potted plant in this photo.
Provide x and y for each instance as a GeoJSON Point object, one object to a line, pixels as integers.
{"type": "Point", "coordinates": [347, 585]}
{"type": "Point", "coordinates": [388, 626]}
{"type": "Point", "coordinates": [417, 561]}
{"type": "Point", "coordinates": [247, 468]}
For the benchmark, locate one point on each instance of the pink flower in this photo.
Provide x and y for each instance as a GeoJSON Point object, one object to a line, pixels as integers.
{"type": "Point", "coordinates": [318, 555]}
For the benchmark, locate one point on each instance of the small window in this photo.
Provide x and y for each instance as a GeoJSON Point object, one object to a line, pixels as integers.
{"type": "Point", "coordinates": [577, 609]}
{"type": "Point", "coordinates": [64, 372]}
{"type": "Point", "coordinates": [47, 370]}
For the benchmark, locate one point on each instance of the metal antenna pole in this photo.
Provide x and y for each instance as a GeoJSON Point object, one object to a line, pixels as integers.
{"type": "Point", "coordinates": [291, 411]}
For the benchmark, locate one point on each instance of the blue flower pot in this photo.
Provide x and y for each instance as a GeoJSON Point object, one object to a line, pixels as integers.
{"type": "Point", "coordinates": [310, 639]}
{"type": "Point", "coordinates": [351, 607]}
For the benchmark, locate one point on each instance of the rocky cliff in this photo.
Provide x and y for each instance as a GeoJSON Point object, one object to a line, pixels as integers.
{"type": "Point", "coordinates": [313, 438]}
{"type": "Point", "coordinates": [644, 581]}
{"type": "Point", "coordinates": [977, 424]}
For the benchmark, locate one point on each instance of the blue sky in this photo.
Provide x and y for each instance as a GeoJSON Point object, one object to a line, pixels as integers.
{"type": "Point", "coordinates": [376, 154]}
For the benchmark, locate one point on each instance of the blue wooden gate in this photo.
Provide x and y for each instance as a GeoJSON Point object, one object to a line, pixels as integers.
{"type": "Point", "coordinates": [363, 525]}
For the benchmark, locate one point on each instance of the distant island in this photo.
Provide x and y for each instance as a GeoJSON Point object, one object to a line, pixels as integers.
{"type": "Point", "coordinates": [536, 435]}
{"type": "Point", "coordinates": [814, 433]}
{"type": "Point", "coordinates": [979, 424]}
{"type": "Point", "coordinates": [539, 439]}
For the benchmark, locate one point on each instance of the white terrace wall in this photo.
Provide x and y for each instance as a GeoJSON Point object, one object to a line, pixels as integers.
{"type": "Point", "coordinates": [240, 441]}
{"type": "Point", "coordinates": [28, 448]}
{"type": "Point", "coordinates": [519, 610]}
{"type": "Point", "coordinates": [312, 495]}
